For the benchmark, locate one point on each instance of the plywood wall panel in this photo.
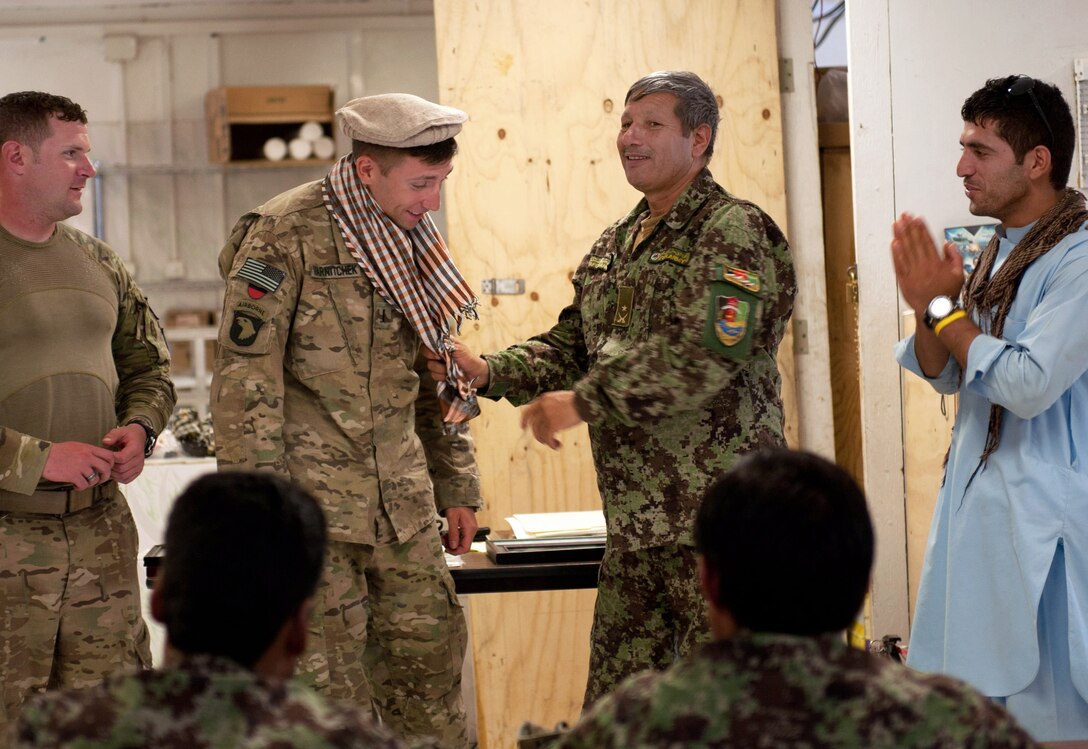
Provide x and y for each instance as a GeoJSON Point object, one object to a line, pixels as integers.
{"type": "Point", "coordinates": [927, 432]}
{"type": "Point", "coordinates": [536, 181]}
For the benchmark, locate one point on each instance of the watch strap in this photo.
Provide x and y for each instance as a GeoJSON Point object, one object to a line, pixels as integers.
{"type": "Point", "coordinates": [948, 319]}
{"type": "Point", "coordinates": [152, 435]}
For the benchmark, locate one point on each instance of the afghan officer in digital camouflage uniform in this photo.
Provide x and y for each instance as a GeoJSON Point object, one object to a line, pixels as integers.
{"type": "Point", "coordinates": [331, 289]}
{"type": "Point", "coordinates": [786, 547]}
{"type": "Point", "coordinates": [84, 389]}
{"type": "Point", "coordinates": [668, 353]}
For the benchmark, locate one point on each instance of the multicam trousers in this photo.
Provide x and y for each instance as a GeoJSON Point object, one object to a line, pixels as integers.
{"type": "Point", "coordinates": [389, 634]}
{"type": "Point", "coordinates": [70, 601]}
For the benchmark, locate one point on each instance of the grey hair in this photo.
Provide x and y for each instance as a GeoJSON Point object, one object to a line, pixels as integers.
{"type": "Point", "coordinates": [695, 102]}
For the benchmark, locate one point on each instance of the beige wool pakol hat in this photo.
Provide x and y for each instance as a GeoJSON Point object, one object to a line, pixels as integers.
{"type": "Point", "coordinates": [399, 120]}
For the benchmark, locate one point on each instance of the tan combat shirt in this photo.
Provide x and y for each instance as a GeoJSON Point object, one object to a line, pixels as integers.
{"type": "Point", "coordinates": [318, 378]}
{"type": "Point", "coordinates": [81, 352]}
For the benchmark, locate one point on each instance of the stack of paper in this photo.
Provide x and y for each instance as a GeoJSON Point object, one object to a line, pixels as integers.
{"type": "Point", "coordinates": [557, 524]}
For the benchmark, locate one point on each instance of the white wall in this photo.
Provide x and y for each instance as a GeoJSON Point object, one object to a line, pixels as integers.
{"type": "Point", "coordinates": [800, 138]}
{"type": "Point", "coordinates": [912, 63]}
{"type": "Point", "coordinates": [940, 57]}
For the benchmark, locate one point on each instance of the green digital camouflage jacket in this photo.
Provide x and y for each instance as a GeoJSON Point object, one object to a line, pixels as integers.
{"type": "Point", "coordinates": [670, 347]}
{"type": "Point", "coordinates": [788, 692]}
{"type": "Point", "coordinates": [140, 355]}
{"type": "Point", "coordinates": [204, 703]}
{"type": "Point", "coordinates": [318, 378]}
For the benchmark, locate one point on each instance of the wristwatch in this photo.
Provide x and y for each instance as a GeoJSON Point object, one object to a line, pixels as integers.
{"type": "Point", "coordinates": [149, 443]}
{"type": "Point", "coordinates": [938, 309]}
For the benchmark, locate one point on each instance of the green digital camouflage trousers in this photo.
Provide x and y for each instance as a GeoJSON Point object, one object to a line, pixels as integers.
{"type": "Point", "coordinates": [70, 601]}
{"type": "Point", "coordinates": [649, 612]}
{"type": "Point", "coordinates": [389, 634]}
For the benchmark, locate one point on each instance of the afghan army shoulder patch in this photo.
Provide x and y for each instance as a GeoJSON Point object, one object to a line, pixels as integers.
{"type": "Point", "coordinates": [734, 307]}
{"type": "Point", "coordinates": [731, 323]}
{"type": "Point", "coordinates": [746, 279]}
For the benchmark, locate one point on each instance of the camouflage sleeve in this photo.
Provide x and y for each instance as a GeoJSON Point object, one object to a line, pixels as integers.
{"type": "Point", "coordinates": [589, 733]}
{"type": "Point", "coordinates": [1003, 731]}
{"type": "Point", "coordinates": [141, 356]}
{"type": "Point", "coordinates": [954, 714]}
{"type": "Point", "coordinates": [247, 378]}
{"type": "Point", "coordinates": [22, 460]}
{"type": "Point", "coordinates": [681, 364]}
{"type": "Point", "coordinates": [451, 457]}
{"type": "Point", "coordinates": [605, 724]}
{"type": "Point", "coordinates": [551, 361]}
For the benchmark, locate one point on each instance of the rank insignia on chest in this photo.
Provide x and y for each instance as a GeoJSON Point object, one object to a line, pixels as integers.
{"type": "Point", "coordinates": [746, 279]}
{"type": "Point", "coordinates": [677, 257]}
{"type": "Point", "coordinates": [262, 277]}
{"type": "Point", "coordinates": [732, 321]}
{"type": "Point", "coordinates": [625, 303]}
{"type": "Point", "coordinates": [600, 262]}
{"type": "Point", "coordinates": [245, 326]}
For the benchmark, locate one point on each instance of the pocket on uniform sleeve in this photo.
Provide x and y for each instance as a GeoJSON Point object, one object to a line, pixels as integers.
{"type": "Point", "coordinates": [734, 309]}
{"type": "Point", "coordinates": [255, 294]}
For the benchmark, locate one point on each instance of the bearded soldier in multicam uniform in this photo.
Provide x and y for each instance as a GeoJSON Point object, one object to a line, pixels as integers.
{"type": "Point", "coordinates": [317, 379]}
{"type": "Point", "coordinates": [668, 353]}
{"type": "Point", "coordinates": [84, 388]}
{"type": "Point", "coordinates": [785, 550]}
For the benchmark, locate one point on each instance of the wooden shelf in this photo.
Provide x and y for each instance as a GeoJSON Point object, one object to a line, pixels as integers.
{"type": "Point", "coordinates": [242, 118]}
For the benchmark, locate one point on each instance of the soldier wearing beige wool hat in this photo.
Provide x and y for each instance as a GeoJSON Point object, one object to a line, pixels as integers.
{"type": "Point", "coordinates": [317, 379]}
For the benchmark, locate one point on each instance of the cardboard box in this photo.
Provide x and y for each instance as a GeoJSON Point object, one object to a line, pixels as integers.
{"type": "Point", "coordinates": [189, 318]}
{"type": "Point", "coordinates": [241, 118]}
{"type": "Point", "coordinates": [181, 357]}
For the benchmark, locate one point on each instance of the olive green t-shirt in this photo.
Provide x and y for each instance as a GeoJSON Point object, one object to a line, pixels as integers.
{"type": "Point", "coordinates": [58, 312]}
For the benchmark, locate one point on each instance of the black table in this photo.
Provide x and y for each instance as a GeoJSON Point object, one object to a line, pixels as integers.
{"type": "Point", "coordinates": [478, 574]}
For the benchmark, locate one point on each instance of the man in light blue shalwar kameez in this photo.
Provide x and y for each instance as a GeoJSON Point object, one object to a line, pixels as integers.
{"type": "Point", "coordinates": [1003, 600]}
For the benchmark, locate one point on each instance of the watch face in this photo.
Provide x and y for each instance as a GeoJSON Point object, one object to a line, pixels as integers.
{"type": "Point", "coordinates": [940, 307]}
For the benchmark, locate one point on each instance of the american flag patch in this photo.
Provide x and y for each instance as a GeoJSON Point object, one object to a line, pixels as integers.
{"type": "Point", "coordinates": [261, 275]}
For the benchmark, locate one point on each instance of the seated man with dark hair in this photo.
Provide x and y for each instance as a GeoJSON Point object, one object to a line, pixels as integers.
{"type": "Point", "coordinates": [785, 549]}
{"type": "Point", "coordinates": [236, 594]}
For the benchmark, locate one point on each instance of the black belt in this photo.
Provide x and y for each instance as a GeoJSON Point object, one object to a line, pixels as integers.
{"type": "Point", "coordinates": [55, 501]}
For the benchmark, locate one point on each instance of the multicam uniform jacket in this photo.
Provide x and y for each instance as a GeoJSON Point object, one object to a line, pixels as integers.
{"type": "Point", "coordinates": [317, 378]}
{"type": "Point", "coordinates": [670, 347]}
{"type": "Point", "coordinates": [202, 703]}
{"type": "Point", "coordinates": [783, 691]}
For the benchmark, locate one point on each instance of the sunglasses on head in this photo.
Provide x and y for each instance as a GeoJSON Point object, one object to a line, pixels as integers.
{"type": "Point", "coordinates": [1026, 85]}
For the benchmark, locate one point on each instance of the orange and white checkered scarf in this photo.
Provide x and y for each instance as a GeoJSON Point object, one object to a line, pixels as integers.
{"type": "Point", "coordinates": [413, 271]}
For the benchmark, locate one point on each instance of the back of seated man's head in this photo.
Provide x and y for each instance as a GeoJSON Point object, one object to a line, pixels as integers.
{"type": "Point", "coordinates": [244, 553]}
{"type": "Point", "coordinates": [786, 544]}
